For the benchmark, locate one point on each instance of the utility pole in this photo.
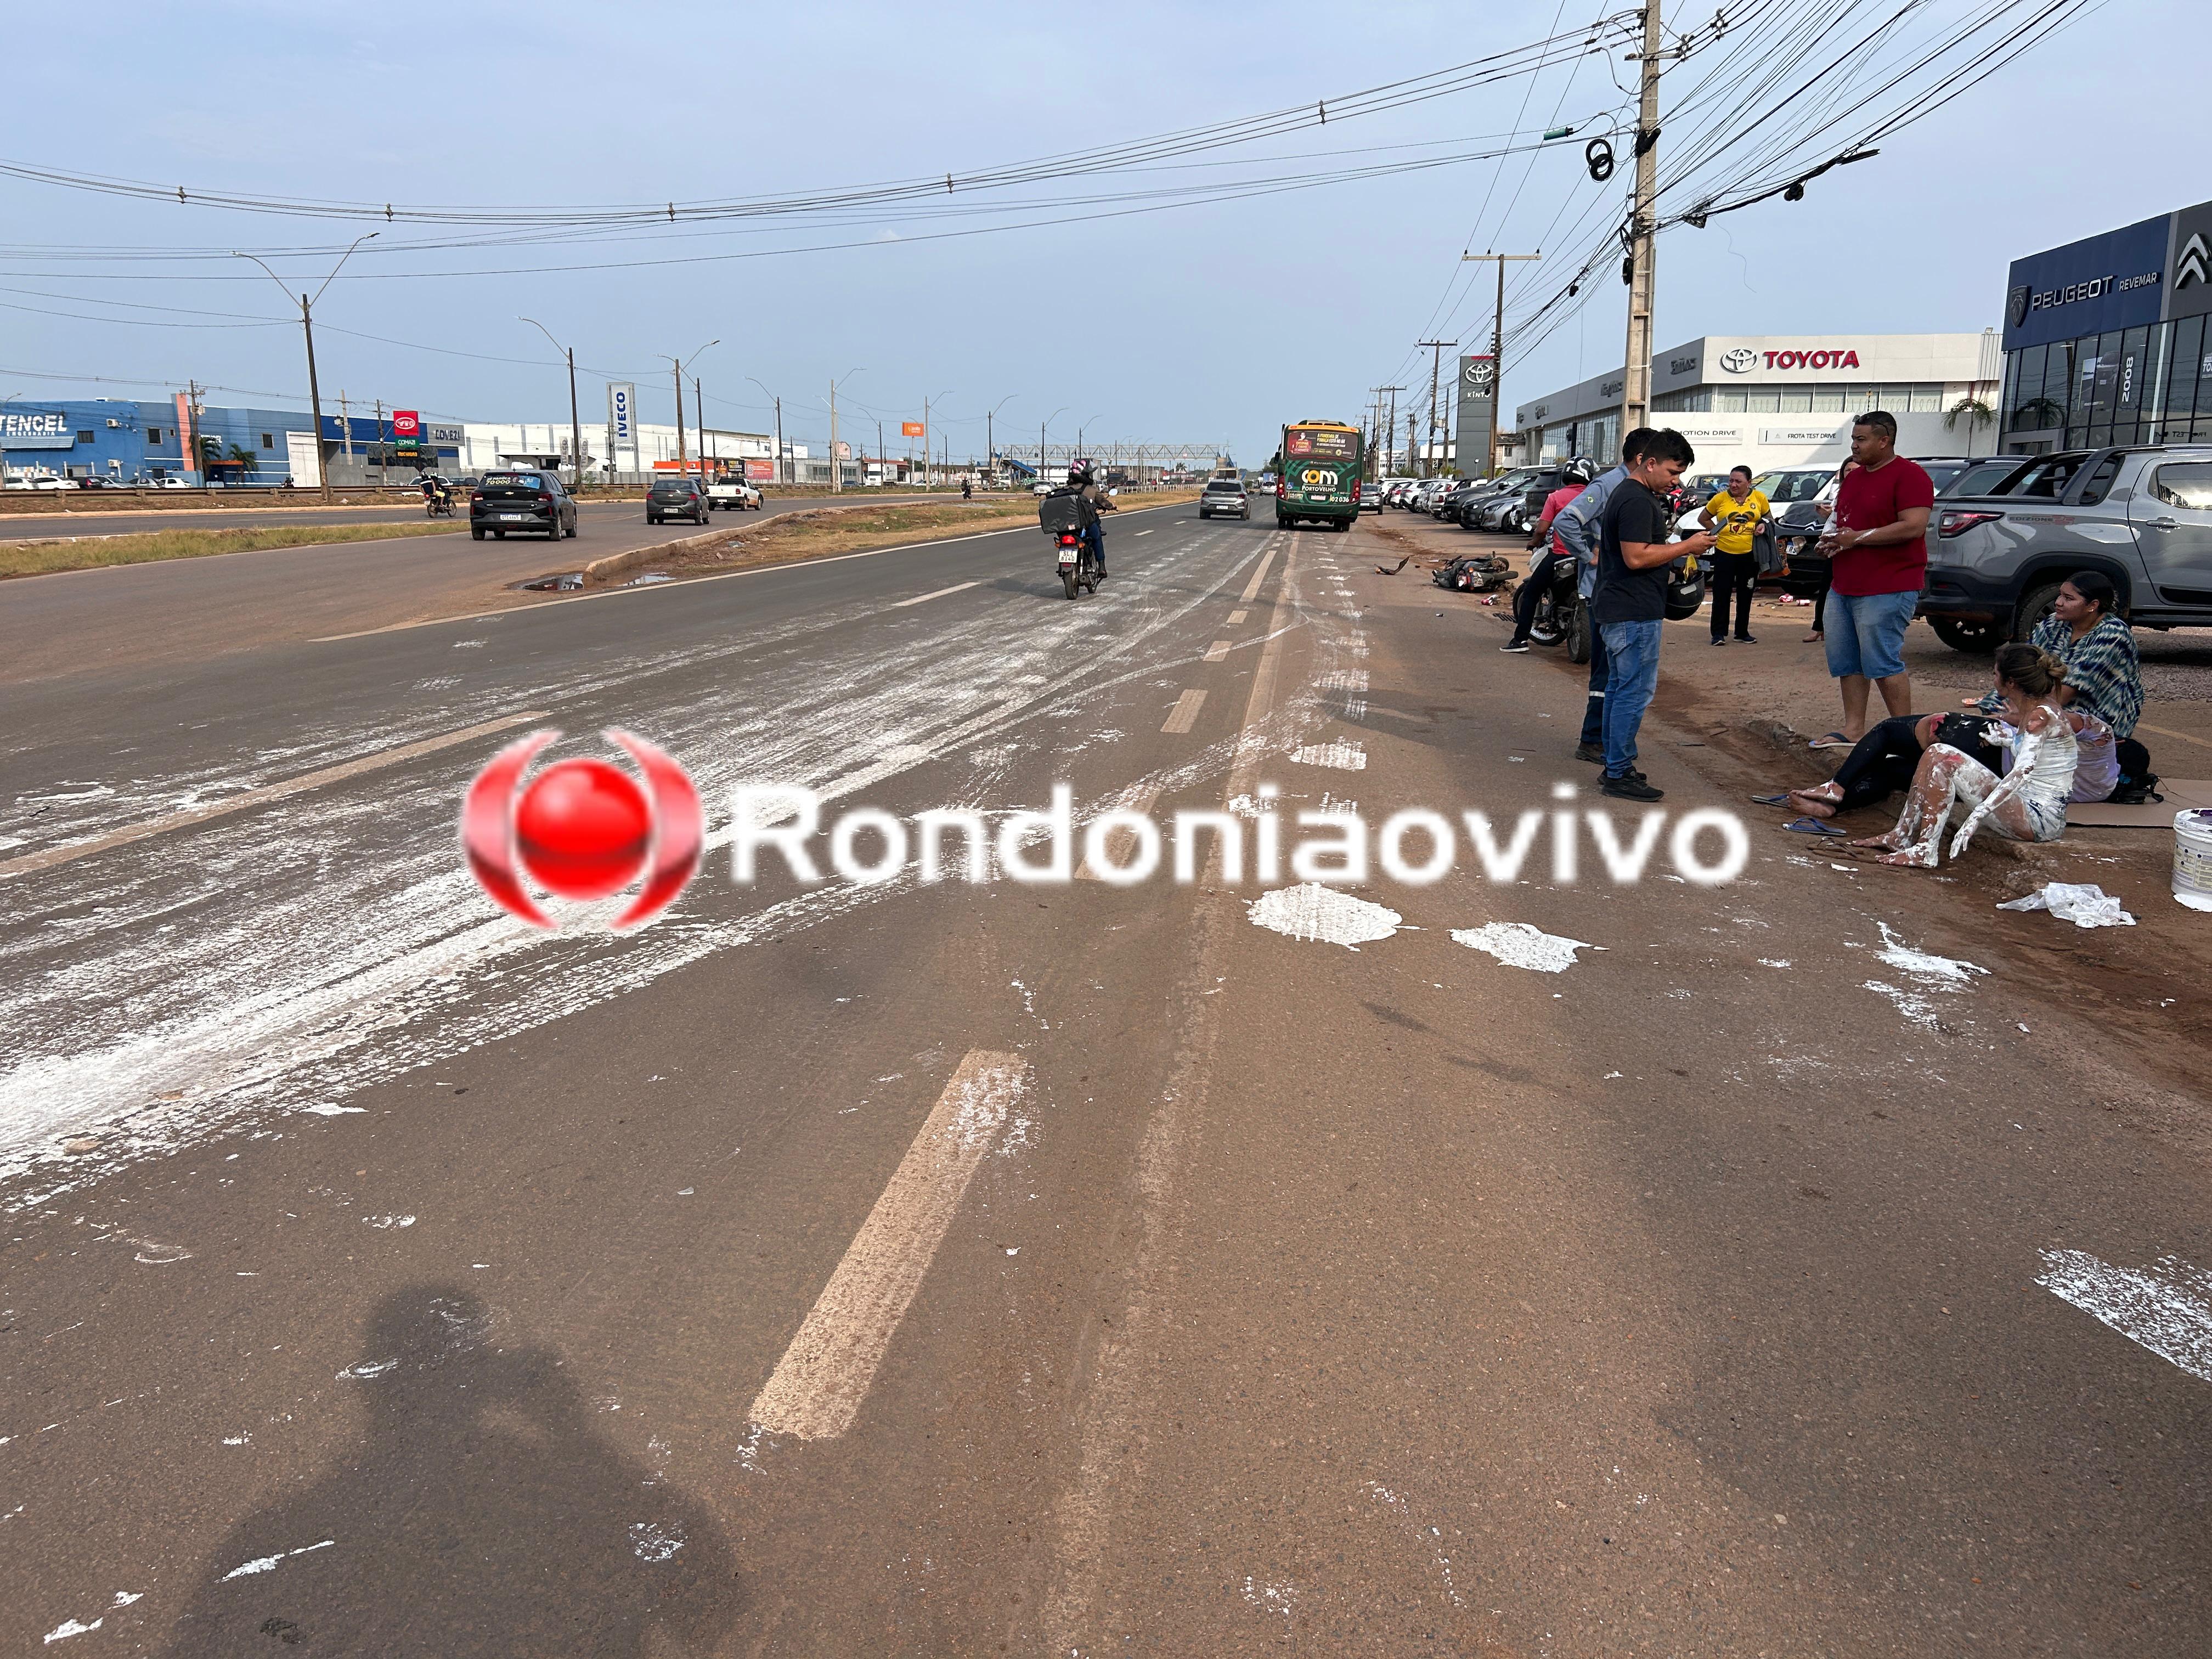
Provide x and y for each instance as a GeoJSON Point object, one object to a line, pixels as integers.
{"type": "Point", "coordinates": [699, 407]}
{"type": "Point", "coordinates": [345, 427]}
{"type": "Point", "coordinates": [1390, 440]}
{"type": "Point", "coordinates": [781, 476]}
{"type": "Point", "coordinates": [1497, 350]}
{"type": "Point", "coordinates": [682, 460]}
{"type": "Point", "coordinates": [191, 444]}
{"type": "Point", "coordinates": [382, 479]}
{"type": "Point", "coordinates": [836, 470]}
{"type": "Point", "coordinates": [1436, 367]}
{"type": "Point", "coordinates": [1636, 376]}
{"type": "Point", "coordinates": [308, 326]}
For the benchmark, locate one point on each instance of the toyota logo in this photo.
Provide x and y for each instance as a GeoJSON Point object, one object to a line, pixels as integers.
{"type": "Point", "coordinates": [1739, 360]}
{"type": "Point", "coordinates": [1478, 374]}
{"type": "Point", "coordinates": [2016, 305]}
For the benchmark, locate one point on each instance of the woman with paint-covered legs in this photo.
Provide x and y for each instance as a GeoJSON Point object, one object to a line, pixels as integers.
{"type": "Point", "coordinates": [2027, 804]}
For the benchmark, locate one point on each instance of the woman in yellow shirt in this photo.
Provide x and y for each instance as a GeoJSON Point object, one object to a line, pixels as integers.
{"type": "Point", "coordinates": [1735, 515]}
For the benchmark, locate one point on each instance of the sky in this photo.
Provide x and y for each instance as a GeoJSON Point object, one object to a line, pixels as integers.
{"type": "Point", "coordinates": [1205, 326]}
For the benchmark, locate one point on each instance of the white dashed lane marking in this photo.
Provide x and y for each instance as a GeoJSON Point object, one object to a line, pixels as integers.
{"type": "Point", "coordinates": [1259, 575]}
{"type": "Point", "coordinates": [818, 1387]}
{"type": "Point", "coordinates": [958, 587]}
{"type": "Point", "coordinates": [1184, 714]}
{"type": "Point", "coordinates": [1217, 651]}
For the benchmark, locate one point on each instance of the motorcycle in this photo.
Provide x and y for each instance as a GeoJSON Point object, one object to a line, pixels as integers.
{"type": "Point", "coordinates": [1561, 613]}
{"type": "Point", "coordinates": [438, 504]}
{"type": "Point", "coordinates": [1474, 573]}
{"type": "Point", "coordinates": [1078, 567]}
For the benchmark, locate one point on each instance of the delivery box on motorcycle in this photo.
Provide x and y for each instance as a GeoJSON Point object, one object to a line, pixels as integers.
{"type": "Point", "coordinates": [1060, 513]}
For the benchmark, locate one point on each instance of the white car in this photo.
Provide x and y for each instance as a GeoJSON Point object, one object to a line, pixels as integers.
{"type": "Point", "coordinates": [1042, 489]}
{"type": "Point", "coordinates": [171, 481]}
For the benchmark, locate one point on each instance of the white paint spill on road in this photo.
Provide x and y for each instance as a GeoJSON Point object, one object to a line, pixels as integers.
{"type": "Point", "coordinates": [265, 1563]}
{"type": "Point", "coordinates": [70, 1627]}
{"type": "Point", "coordinates": [1311, 911]}
{"type": "Point", "coordinates": [1921, 965]}
{"type": "Point", "coordinates": [1520, 945]}
{"type": "Point", "coordinates": [650, 1541]}
{"type": "Point", "coordinates": [2165, 1307]}
{"type": "Point", "coordinates": [817, 1386]}
{"type": "Point", "coordinates": [1281, 1598]}
{"type": "Point", "coordinates": [1339, 756]}
{"type": "Point", "coordinates": [1774, 961]}
{"type": "Point", "coordinates": [386, 1221]}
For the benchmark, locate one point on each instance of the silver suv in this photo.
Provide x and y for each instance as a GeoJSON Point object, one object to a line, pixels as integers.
{"type": "Point", "coordinates": [2142, 516]}
{"type": "Point", "coordinates": [1225, 498]}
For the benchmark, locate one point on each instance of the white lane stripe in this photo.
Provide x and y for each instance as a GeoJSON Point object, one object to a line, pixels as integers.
{"type": "Point", "coordinates": [719, 576]}
{"type": "Point", "coordinates": [1184, 714]}
{"type": "Point", "coordinates": [2166, 1306]}
{"type": "Point", "coordinates": [816, 1391]}
{"type": "Point", "coordinates": [1144, 532]}
{"type": "Point", "coordinates": [921, 599]}
{"type": "Point", "coordinates": [239, 802]}
{"type": "Point", "coordinates": [1260, 575]}
{"type": "Point", "coordinates": [1235, 617]}
{"type": "Point", "coordinates": [1217, 651]}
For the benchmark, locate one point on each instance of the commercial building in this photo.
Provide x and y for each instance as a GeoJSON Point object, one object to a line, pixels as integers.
{"type": "Point", "coordinates": [1766, 401]}
{"type": "Point", "coordinates": [2106, 339]}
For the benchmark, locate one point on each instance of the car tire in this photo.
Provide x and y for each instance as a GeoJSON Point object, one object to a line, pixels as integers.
{"type": "Point", "coordinates": [475, 534]}
{"type": "Point", "coordinates": [1976, 638]}
{"type": "Point", "coordinates": [2034, 606]}
{"type": "Point", "coordinates": [499, 535]}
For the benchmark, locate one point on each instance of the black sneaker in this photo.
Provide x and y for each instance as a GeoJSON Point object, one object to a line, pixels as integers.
{"type": "Point", "coordinates": [1632, 788]}
{"type": "Point", "coordinates": [1747, 639]}
{"type": "Point", "coordinates": [1720, 639]}
{"type": "Point", "coordinates": [1590, 751]}
{"type": "Point", "coordinates": [1513, 644]}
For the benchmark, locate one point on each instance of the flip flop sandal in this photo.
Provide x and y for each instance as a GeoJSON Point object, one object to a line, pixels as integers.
{"type": "Point", "coordinates": [1814, 827]}
{"type": "Point", "coordinates": [1830, 740]}
{"type": "Point", "coordinates": [1771, 800]}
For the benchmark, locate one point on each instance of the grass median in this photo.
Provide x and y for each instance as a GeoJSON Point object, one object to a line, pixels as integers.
{"type": "Point", "coordinates": [38, 558]}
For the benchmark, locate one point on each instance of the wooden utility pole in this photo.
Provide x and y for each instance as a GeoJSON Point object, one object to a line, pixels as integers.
{"type": "Point", "coordinates": [682, 460]}
{"type": "Point", "coordinates": [1436, 368]}
{"type": "Point", "coordinates": [381, 479]}
{"type": "Point", "coordinates": [1636, 376]}
{"type": "Point", "coordinates": [1497, 353]}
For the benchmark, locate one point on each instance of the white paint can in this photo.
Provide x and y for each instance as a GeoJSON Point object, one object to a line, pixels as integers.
{"type": "Point", "coordinates": [2193, 858]}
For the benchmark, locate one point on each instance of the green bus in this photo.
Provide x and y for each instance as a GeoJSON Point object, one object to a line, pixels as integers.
{"type": "Point", "coordinates": [1319, 480]}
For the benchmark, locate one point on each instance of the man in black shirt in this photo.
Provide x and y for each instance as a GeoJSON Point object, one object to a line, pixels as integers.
{"type": "Point", "coordinates": [1630, 605]}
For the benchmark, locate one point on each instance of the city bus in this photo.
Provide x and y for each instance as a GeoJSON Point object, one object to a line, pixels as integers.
{"type": "Point", "coordinates": [1320, 481]}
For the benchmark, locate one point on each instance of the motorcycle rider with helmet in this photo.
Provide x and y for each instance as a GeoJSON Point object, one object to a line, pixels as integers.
{"type": "Point", "coordinates": [1574, 477]}
{"type": "Point", "coordinates": [1092, 499]}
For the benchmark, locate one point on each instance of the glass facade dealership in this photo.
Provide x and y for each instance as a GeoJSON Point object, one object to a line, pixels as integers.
{"type": "Point", "coordinates": [2106, 339]}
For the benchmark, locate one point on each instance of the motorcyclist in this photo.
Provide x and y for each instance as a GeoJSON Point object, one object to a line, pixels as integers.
{"type": "Point", "coordinates": [966, 489]}
{"type": "Point", "coordinates": [1574, 477]}
{"type": "Point", "coordinates": [1089, 500]}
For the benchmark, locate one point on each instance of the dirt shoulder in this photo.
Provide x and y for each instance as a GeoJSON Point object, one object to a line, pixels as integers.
{"type": "Point", "coordinates": [1742, 716]}
{"type": "Point", "coordinates": [93, 551]}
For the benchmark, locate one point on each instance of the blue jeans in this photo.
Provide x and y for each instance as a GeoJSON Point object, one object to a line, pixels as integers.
{"type": "Point", "coordinates": [1594, 710]}
{"type": "Point", "coordinates": [1865, 632]}
{"type": "Point", "coordinates": [1631, 678]}
{"type": "Point", "coordinates": [1096, 535]}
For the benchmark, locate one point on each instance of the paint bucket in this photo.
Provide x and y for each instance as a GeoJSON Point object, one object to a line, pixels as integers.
{"type": "Point", "coordinates": [2193, 858]}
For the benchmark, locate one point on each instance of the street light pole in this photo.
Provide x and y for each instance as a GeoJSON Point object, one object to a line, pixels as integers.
{"type": "Point", "coordinates": [778, 402]}
{"type": "Point", "coordinates": [1042, 427]}
{"type": "Point", "coordinates": [990, 449]}
{"type": "Point", "coordinates": [682, 460]}
{"type": "Point", "coordinates": [1436, 367]}
{"type": "Point", "coordinates": [307, 327]}
{"type": "Point", "coordinates": [836, 465]}
{"type": "Point", "coordinates": [576, 419]}
{"type": "Point", "coordinates": [928, 456]}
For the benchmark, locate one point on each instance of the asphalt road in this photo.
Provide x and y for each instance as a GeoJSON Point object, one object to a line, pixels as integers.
{"type": "Point", "coordinates": [181, 612]}
{"type": "Point", "coordinates": [927, 1268]}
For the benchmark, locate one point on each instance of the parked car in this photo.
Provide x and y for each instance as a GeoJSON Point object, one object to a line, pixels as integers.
{"type": "Point", "coordinates": [1799, 499]}
{"type": "Point", "coordinates": [676, 498]}
{"type": "Point", "coordinates": [527, 500]}
{"type": "Point", "coordinates": [1223, 498]}
{"type": "Point", "coordinates": [171, 480]}
{"type": "Point", "coordinates": [2142, 516]}
{"type": "Point", "coordinates": [1370, 496]}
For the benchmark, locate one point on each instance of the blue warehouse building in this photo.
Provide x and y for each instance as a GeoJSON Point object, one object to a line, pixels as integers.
{"type": "Point", "coordinates": [141, 441]}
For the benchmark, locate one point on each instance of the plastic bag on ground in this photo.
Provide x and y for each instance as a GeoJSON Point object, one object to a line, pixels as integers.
{"type": "Point", "coordinates": [2083, 903]}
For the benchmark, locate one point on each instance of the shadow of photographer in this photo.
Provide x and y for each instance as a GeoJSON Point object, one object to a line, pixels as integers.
{"type": "Point", "coordinates": [479, 1513]}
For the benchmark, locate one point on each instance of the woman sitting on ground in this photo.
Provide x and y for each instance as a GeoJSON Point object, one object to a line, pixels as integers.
{"type": "Point", "coordinates": [2027, 804]}
{"type": "Point", "coordinates": [2103, 675]}
{"type": "Point", "coordinates": [1887, 759]}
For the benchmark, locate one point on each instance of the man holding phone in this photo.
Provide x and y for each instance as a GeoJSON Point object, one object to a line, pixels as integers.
{"type": "Point", "coordinates": [1630, 605]}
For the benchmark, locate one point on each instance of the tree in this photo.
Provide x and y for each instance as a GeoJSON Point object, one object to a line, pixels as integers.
{"type": "Point", "coordinates": [247, 459]}
{"type": "Point", "coordinates": [1972, 410]}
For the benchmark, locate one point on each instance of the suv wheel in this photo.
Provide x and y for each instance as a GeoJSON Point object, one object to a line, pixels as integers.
{"type": "Point", "coordinates": [1975, 638]}
{"type": "Point", "coordinates": [2034, 606]}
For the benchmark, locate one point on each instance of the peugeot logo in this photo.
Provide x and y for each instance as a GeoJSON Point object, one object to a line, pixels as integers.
{"type": "Point", "coordinates": [2016, 305]}
{"type": "Point", "coordinates": [1739, 360]}
{"type": "Point", "coordinates": [2194, 264]}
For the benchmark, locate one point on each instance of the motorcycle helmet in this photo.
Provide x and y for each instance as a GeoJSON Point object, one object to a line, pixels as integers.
{"type": "Point", "coordinates": [1077, 477]}
{"type": "Point", "coordinates": [1579, 470]}
{"type": "Point", "coordinates": [1685, 589]}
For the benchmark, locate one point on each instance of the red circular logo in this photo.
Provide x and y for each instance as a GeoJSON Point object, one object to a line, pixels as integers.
{"type": "Point", "coordinates": [582, 829]}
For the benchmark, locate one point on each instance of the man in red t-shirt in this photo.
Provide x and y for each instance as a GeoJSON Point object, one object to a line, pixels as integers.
{"type": "Point", "coordinates": [1878, 559]}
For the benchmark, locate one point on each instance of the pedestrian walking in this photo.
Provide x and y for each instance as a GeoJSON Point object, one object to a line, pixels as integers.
{"type": "Point", "coordinates": [1879, 567]}
{"type": "Point", "coordinates": [1576, 529]}
{"type": "Point", "coordinates": [1735, 515]}
{"type": "Point", "coordinates": [1630, 607]}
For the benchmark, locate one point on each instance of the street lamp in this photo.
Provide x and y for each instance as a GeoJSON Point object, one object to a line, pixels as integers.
{"type": "Point", "coordinates": [1042, 428]}
{"type": "Point", "coordinates": [928, 434]}
{"type": "Point", "coordinates": [1078, 437]}
{"type": "Point", "coordinates": [990, 450]}
{"type": "Point", "coordinates": [837, 466]}
{"type": "Point", "coordinates": [682, 460]}
{"type": "Point", "coordinates": [576, 423]}
{"type": "Point", "coordinates": [308, 324]}
{"type": "Point", "coordinates": [779, 476]}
